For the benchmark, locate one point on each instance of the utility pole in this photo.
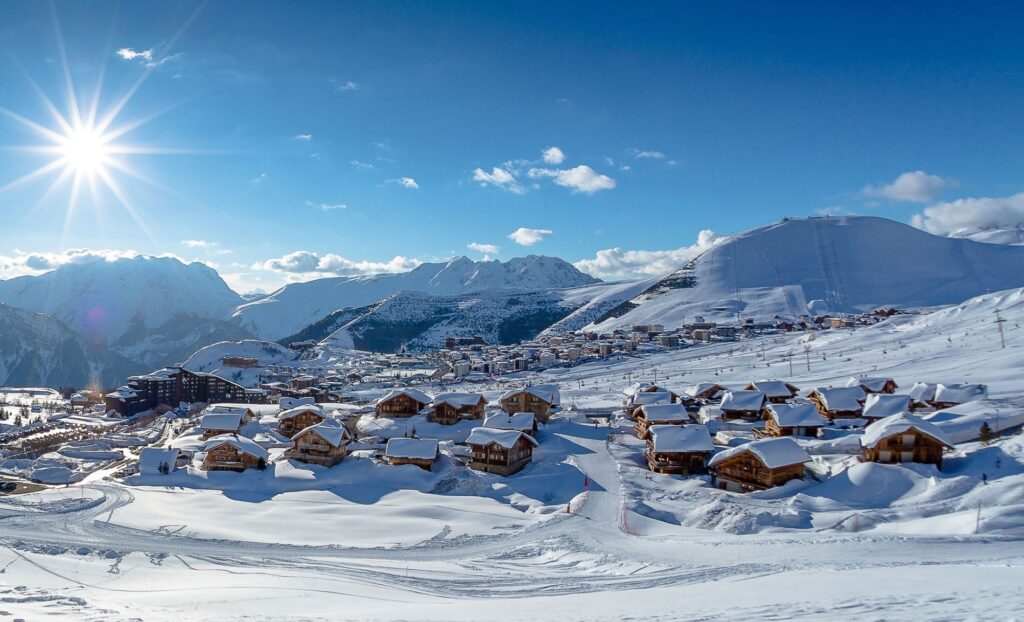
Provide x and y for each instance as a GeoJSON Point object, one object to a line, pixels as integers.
{"type": "Point", "coordinates": [789, 355]}
{"type": "Point", "coordinates": [807, 352]}
{"type": "Point", "coordinates": [977, 520]}
{"type": "Point", "coordinates": [999, 324]}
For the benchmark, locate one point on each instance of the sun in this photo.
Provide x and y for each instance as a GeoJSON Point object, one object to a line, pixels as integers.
{"type": "Point", "coordinates": [86, 150]}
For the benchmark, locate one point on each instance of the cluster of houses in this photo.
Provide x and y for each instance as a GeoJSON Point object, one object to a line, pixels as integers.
{"type": "Point", "coordinates": [675, 425]}
{"type": "Point", "coordinates": [503, 443]}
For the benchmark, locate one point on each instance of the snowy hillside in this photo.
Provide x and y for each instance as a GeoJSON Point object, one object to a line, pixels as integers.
{"type": "Point", "coordinates": [37, 350]}
{"type": "Point", "coordinates": [298, 305]}
{"type": "Point", "coordinates": [210, 359]}
{"type": "Point", "coordinates": [1008, 235]}
{"type": "Point", "coordinates": [150, 309]}
{"type": "Point", "coordinates": [836, 264]}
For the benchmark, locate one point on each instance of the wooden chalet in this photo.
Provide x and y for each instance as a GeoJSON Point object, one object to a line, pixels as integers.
{"type": "Point", "coordinates": [638, 401]}
{"type": "Point", "coordinates": [419, 451]}
{"type": "Point", "coordinates": [874, 385]}
{"type": "Point", "coordinates": [681, 450]}
{"type": "Point", "coordinates": [838, 402]}
{"type": "Point", "coordinates": [324, 443]}
{"type": "Point", "coordinates": [742, 405]}
{"type": "Point", "coordinates": [949, 395]}
{"type": "Point", "coordinates": [502, 452]}
{"type": "Point", "coordinates": [299, 418]}
{"type": "Point", "coordinates": [705, 391]}
{"type": "Point", "coordinates": [649, 387]}
{"type": "Point", "coordinates": [450, 408]}
{"type": "Point", "coordinates": [881, 405]}
{"type": "Point", "coordinates": [790, 420]}
{"type": "Point", "coordinates": [230, 452]}
{"type": "Point", "coordinates": [401, 403]}
{"type": "Point", "coordinates": [538, 399]}
{"type": "Point", "coordinates": [659, 414]}
{"type": "Point", "coordinates": [775, 391]}
{"type": "Point", "coordinates": [222, 419]}
{"type": "Point", "coordinates": [904, 438]}
{"type": "Point", "coordinates": [758, 465]}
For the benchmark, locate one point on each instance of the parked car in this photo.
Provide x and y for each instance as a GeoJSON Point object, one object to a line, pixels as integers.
{"type": "Point", "coordinates": [8, 486]}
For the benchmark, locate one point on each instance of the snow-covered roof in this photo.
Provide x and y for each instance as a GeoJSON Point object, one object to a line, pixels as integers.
{"type": "Point", "coordinates": [742, 400]}
{"type": "Point", "coordinates": [878, 405]}
{"type": "Point", "coordinates": [298, 410]}
{"type": "Point", "coordinates": [795, 415]}
{"type": "Point", "coordinates": [458, 400]}
{"type": "Point", "coordinates": [293, 402]}
{"type": "Point", "coordinates": [505, 439]}
{"type": "Point", "coordinates": [547, 392]}
{"type": "Point", "coordinates": [675, 438]}
{"type": "Point", "coordinates": [503, 421]}
{"type": "Point", "coordinates": [242, 444]}
{"type": "Point", "coordinates": [654, 397]}
{"type": "Point", "coordinates": [150, 459]}
{"type": "Point", "coordinates": [412, 448]}
{"type": "Point", "coordinates": [122, 393]}
{"type": "Point", "coordinates": [644, 387]}
{"type": "Point", "coordinates": [330, 430]}
{"type": "Point", "coordinates": [220, 421]}
{"type": "Point", "coordinates": [664, 412]}
{"type": "Point", "coordinates": [923, 392]}
{"type": "Point", "coordinates": [227, 409]}
{"type": "Point", "coordinates": [415, 394]}
{"type": "Point", "coordinates": [703, 387]}
{"type": "Point", "coordinates": [871, 384]}
{"type": "Point", "coordinates": [898, 424]}
{"type": "Point", "coordinates": [841, 398]}
{"type": "Point", "coordinates": [772, 452]}
{"type": "Point", "coordinates": [774, 388]}
{"type": "Point", "coordinates": [960, 393]}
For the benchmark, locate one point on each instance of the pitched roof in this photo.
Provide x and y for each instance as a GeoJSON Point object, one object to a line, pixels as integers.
{"type": "Point", "coordinates": [547, 392]}
{"type": "Point", "coordinates": [298, 410]}
{"type": "Point", "coordinates": [795, 415]}
{"type": "Point", "coordinates": [413, 448]}
{"type": "Point", "coordinates": [415, 394]}
{"type": "Point", "coordinates": [772, 452]}
{"type": "Point", "coordinates": [664, 412]}
{"type": "Point", "coordinates": [150, 458]}
{"type": "Point", "coordinates": [841, 398]}
{"type": "Point", "coordinates": [505, 439]}
{"type": "Point", "coordinates": [871, 384]}
{"type": "Point", "coordinates": [644, 387]}
{"type": "Point", "coordinates": [742, 400]}
{"type": "Point", "coordinates": [960, 393]}
{"type": "Point", "coordinates": [898, 424]}
{"type": "Point", "coordinates": [242, 444]}
{"type": "Point", "coordinates": [654, 397]}
{"type": "Point", "coordinates": [224, 409]}
{"type": "Point", "coordinates": [774, 388]}
{"type": "Point", "coordinates": [923, 392]}
{"type": "Point", "coordinates": [221, 421]}
{"type": "Point", "coordinates": [458, 400]}
{"type": "Point", "coordinates": [503, 421]}
{"type": "Point", "coordinates": [703, 387]}
{"type": "Point", "coordinates": [330, 430]}
{"type": "Point", "coordinates": [878, 405]}
{"type": "Point", "coordinates": [676, 438]}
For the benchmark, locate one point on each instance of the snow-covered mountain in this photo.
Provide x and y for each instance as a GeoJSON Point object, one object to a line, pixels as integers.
{"type": "Point", "coordinates": [1004, 235]}
{"type": "Point", "coordinates": [154, 310]}
{"type": "Point", "coordinates": [37, 350]}
{"type": "Point", "coordinates": [836, 264]}
{"type": "Point", "coordinates": [298, 305]}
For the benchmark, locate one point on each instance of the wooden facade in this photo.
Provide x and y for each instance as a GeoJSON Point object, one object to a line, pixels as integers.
{"type": "Point", "coordinates": [493, 458]}
{"type": "Point", "coordinates": [523, 401]}
{"type": "Point", "coordinates": [643, 425]}
{"type": "Point", "coordinates": [906, 446]}
{"type": "Point", "coordinates": [227, 457]}
{"type": "Point", "coordinates": [311, 448]}
{"type": "Point", "coordinates": [290, 425]}
{"type": "Point", "coordinates": [399, 405]}
{"type": "Point", "coordinates": [448, 414]}
{"type": "Point", "coordinates": [426, 464]}
{"type": "Point", "coordinates": [676, 462]}
{"type": "Point", "coordinates": [745, 472]}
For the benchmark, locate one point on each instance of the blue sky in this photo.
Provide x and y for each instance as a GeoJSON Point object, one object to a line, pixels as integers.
{"type": "Point", "coordinates": [311, 139]}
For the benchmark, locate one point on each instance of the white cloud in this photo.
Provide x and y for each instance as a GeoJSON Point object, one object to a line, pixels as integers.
{"type": "Point", "coordinates": [553, 155]}
{"type": "Point", "coordinates": [199, 244]}
{"type": "Point", "coordinates": [615, 263]}
{"type": "Point", "coordinates": [347, 85]}
{"type": "Point", "coordinates": [579, 179]}
{"type": "Point", "coordinates": [525, 236]}
{"type": "Point", "coordinates": [22, 263]}
{"type": "Point", "coordinates": [405, 182]}
{"type": "Point", "coordinates": [914, 186]}
{"type": "Point", "coordinates": [361, 165]}
{"type": "Point", "coordinates": [327, 207]}
{"type": "Point", "coordinates": [500, 178]}
{"type": "Point", "coordinates": [972, 214]}
{"type": "Point", "coordinates": [487, 249]}
{"type": "Point", "coordinates": [130, 54]}
{"type": "Point", "coordinates": [304, 137]}
{"type": "Point", "coordinates": [647, 154]}
{"type": "Point", "coordinates": [311, 264]}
